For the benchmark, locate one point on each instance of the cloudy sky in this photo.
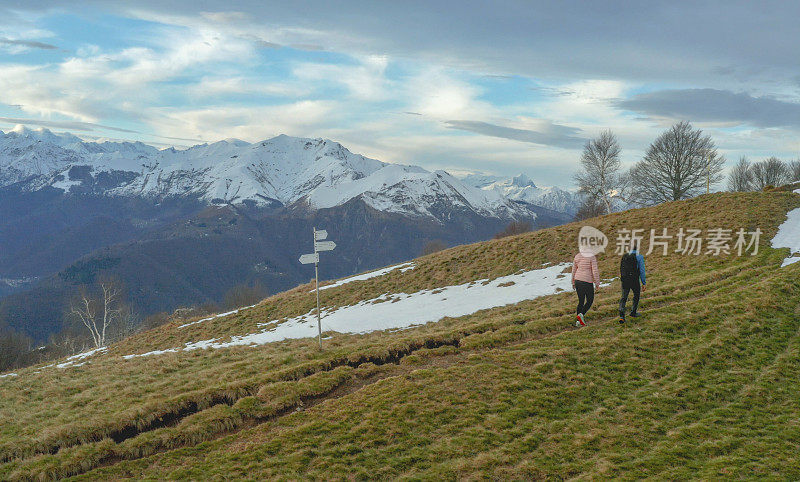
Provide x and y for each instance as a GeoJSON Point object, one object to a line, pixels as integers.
{"type": "Point", "coordinates": [497, 86]}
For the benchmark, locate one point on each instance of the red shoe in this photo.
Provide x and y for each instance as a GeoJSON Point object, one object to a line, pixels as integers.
{"type": "Point", "coordinates": [580, 321]}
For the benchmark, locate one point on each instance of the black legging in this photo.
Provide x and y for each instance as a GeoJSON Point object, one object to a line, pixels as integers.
{"type": "Point", "coordinates": [585, 292]}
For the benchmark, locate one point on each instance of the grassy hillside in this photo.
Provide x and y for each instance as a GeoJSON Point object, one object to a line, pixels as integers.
{"type": "Point", "coordinates": [703, 385]}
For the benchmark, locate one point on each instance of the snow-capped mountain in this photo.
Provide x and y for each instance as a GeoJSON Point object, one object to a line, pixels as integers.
{"type": "Point", "coordinates": [522, 188]}
{"type": "Point", "coordinates": [282, 171]}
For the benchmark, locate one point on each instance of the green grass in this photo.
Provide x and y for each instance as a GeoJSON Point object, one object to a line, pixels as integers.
{"type": "Point", "coordinates": [704, 385]}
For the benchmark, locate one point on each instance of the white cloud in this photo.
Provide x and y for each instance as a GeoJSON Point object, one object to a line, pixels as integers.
{"type": "Point", "coordinates": [302, 118]}
{"type": "Point", "coordinates": [37, 91]}
{"type": "Point", "coordinates": [364, 81]}
{"type": "Point", "coordinates": [440, 95]}
{"type": "Point", "coordinates": [221, 86]}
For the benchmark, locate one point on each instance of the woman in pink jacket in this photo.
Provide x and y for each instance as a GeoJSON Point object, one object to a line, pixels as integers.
{"type": "Point", "coordinates": [585, 279]}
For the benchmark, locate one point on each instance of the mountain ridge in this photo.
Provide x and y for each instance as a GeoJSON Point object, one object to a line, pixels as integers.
{"type": "Point", "coordinates": [280, 171]}
{"type": "Point", "coordinates": [521, 188]}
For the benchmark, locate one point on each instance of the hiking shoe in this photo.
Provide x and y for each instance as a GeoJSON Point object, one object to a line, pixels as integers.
{"type": "Point", "coordinates": [622, 320]}
{"type": "Point", "coordinates": [580, 321]}
{"type": "Point", "coordinates": [635, 315]}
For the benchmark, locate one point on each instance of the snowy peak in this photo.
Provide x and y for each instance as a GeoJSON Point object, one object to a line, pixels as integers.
{"type": "Point", "coordinates": [280, 171]}
{"type": "Point", "coordinates": [26, 136]}
{"type": "Point", "coordinates": [522, 189]}
{"type": "Point", "coordinates": [522, 181]}
{"type": "Point", "coordinates": [414, 191]}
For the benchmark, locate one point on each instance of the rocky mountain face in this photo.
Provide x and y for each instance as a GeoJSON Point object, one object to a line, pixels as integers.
{"type": "Point", "coordinates": [181, 227]}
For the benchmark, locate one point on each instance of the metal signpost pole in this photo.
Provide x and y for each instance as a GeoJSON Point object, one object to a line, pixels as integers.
{"type": "Point", "coordinates": [316, 277]}
{"type": "Point", "coordinates": [319, 245]}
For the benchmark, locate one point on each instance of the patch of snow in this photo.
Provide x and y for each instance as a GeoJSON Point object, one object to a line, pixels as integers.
{"type": "Point", "coordinates": [17, 282]}
{"type": "Point", "coordinates": [150, 353]}
{"type": "Point", "coordinates": [8, 375]}
{"type": "Point", "coordinates": [219, 315]}
{"type": "Point", "coordinates": [796, 191]}
{"type": "Point", "coordinates": [788, 236]}
{"type": "Point", "coordinates": [66, 183]}
{"type": "Point", "coordinates": [372, 274]}
{"type": "Point", "coordinates": [403, 310]}
{"type": "Point", "coordinates": [790, 260]}
{"type": "Point", "coordinates": [71, 361]}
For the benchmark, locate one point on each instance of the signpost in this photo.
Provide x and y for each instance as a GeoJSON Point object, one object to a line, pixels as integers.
{"type": "Point", "coordinates": [309, 258]}
{"type": "Point", "coordinates": [324, 245]}
{"type": "Point", "coordinates": [319, 245]}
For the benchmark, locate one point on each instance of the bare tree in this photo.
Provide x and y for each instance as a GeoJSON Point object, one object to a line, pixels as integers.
{"type": "Point", "coordinates": [770, 172]}
{"type": "Point", "coordinates": [741, 176]}
{"type": "Point", "coordinates": [679, 164]}
{"type": "Point", "coordinates": [15, 347]}
{"type": "Point", "coordinates": [98, 311]}
{"type": "Point", "coordinates": [794, 166]}
{"type": "Point", "coordinates": [128, 323]}
{"type": "Point", "coordinates": [599, 176]}
{"type": "Point", "coordinates": [591, 207]}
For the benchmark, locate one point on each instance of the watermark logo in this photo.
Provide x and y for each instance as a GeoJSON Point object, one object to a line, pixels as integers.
{"type": "Point", "coordinates": [714, 242]}
{"type": "Point", "coordinates": [689, 241]}
{"type": "Point", "coordinates": [591, 241]}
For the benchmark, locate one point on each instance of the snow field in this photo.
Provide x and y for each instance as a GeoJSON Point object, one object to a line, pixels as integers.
{"type": "Point", "coordinates": [403, 310]}
{"type": "Point", "coordinates": [372, 274]}
{"type": "Point", "coordinates": [788, 236]}
{"type": "Point", "coordinates": [218, 315]}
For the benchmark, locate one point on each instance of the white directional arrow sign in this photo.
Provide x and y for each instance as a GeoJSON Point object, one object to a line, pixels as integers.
{"type": "Point", "coordinates": [324, 245]}
{"type": "Point", "coordinates": [309, 258]}
{"type": "Point", "coordinates": [319, 245]}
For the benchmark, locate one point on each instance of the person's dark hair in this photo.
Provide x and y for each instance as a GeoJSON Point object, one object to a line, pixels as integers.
{"type": "Point", "coordinates": [634, 246]}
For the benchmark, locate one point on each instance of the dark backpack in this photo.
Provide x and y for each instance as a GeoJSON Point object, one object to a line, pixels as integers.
{"type": "Point", "coordinates": [629, 268]}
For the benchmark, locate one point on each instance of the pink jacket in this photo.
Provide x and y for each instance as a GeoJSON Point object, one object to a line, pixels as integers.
{"type": "Point", "coordinates": [584, 268]}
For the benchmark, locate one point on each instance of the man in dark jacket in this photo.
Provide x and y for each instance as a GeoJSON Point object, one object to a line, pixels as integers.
{"type": "Point", "coordinates": [631, 270]}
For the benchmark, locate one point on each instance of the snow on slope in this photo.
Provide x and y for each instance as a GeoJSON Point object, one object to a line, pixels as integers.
{"type": "Point", "coordinates": [75, 360]}
{"type": "Point", "coordinates": [369, 275]}
{"type": "Point", "coordinates": [788, 236]}
{"type": "Point", "coordinates": [402, 310]}
{"type": "Point", "coordinates": [218, 315]}
{"type": "Point", "coordinates": [279, 171]}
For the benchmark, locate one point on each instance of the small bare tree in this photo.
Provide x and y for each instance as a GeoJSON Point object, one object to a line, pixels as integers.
{"type": "Point", "coordinates": [795, 168]}
{"type": "Point", "coordinates": [679, 164]}
{"type": "Point", "coordinates": [97, 312]}
{"type": "Point", "coordinates": [741, 176]}
{"type": "Point", "coordinates": [599, 175]}
{"type": "Point", "coordinates": [590, 207]}
{"type": "Point", "coordinates": [770, 172]}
